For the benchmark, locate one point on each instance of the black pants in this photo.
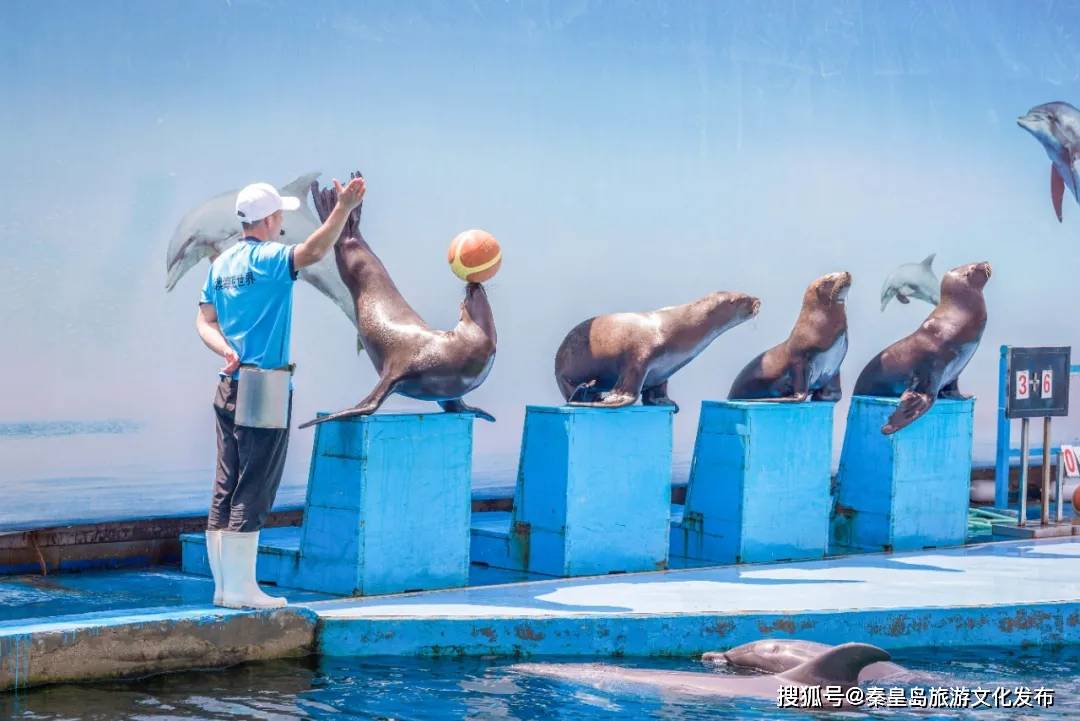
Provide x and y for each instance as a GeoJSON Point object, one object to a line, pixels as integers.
{"type": "Point", "coordinates": [250, 462]}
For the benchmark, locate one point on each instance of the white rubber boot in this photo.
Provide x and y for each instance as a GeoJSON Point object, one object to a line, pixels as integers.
{"type": "Point", "coordinates": [213, 554]}
{"type": "Point", "coordinates": [238, 586]}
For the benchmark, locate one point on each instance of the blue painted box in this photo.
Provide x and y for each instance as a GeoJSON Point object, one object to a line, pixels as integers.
{"type": "Point", "coordinates": [906, 491]}
{"type": "Point", "coordinates": [759, 485]}
{"type": "Point", "coordinates": [388, 509]}
{"type": "Point", "coordinates": [593, 494]}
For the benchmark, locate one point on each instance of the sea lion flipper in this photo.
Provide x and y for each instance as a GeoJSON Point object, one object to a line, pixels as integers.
{"type": "Point", "coordinates": [657, 396]}
{"type": "Point", "coordinates": [626, 390]}
{"type": "Point", "coordinates": [796, 398]}
{"type": "Point", "coordinates": [912, 405]}
{"type": "Point", "coordinates": [952, 391]}
{"type": "Point", "coordinates": [319, 200]}
{"type": "Point", "coordinates": [325, 200]}
{"type": "Point", "coordinates": [799, 374]}
{"type": "Point", "coordinates": [457, 405]}
{"type": "Point", "coordinates": [1057, 190]}
{"type": "Point", "coordinates": [366, 407]}
{"type": "Point", "coordinates": [584, 393]}
{"type": "Point", "coordinates": [830, 391]}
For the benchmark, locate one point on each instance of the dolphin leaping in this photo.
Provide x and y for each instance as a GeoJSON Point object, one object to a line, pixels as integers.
{"type": "Point", "coordinates": [211, 227]}
{"type": "Point", "coordinates": [837, 666]}
{"type": "Point", "coordinates": [1057, 126]}
{"type": "Point", "coordinates": [912, 280]}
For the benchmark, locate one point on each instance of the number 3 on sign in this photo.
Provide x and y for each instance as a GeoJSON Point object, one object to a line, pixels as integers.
{"type": "Point", "coordinates": [1023, 391]}
{"type": "Point", "coordinates": [1047, 384]}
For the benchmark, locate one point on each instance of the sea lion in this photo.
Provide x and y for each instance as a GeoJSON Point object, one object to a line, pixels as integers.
{"type": "Point", "coordinates": [610, 360]}
{"type": "Point", "coordinates": [925, 365]}
{"type": "Point", "coordinates": [410, 358]}
{"type": "Point", "coordinates": [775, 655]}
{"type": "Point", "coordinates": [807, 364]}
{"type": "Point", "coordinates": [1057, 127]}
{"type": "Point", "coordinates": [912, 280]}
{"type": "Point", "coordinates": [837, 666]}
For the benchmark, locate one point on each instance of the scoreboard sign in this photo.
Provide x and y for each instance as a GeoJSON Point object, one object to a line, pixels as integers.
{"type": "Point", "coordinates": [1037, 382]}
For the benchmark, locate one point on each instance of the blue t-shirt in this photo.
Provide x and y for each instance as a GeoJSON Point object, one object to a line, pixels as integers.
{"type": "Point", "coordinates": [250, 286]}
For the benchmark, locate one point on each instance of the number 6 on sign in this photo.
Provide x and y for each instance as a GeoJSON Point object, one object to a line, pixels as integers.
{"type": "Point", "coordinates": [1047, 384]}
{"type": "Point", "coordinates": [1022, 389]}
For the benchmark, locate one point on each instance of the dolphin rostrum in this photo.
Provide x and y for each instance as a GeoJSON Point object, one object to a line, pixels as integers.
{"type": "Point", "coordinates": [1057, 126]}
{"type": "Point", "coordinates": [212, 226]}
{"type": "Point", "coordinates": [838, 666]}
{"type": "Point", "coordinates": [777, 655]}
{"type": "Point", "coordinates": [912, 280]}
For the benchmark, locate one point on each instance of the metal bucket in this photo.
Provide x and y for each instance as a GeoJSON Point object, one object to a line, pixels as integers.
{"type": "Point", "coordinates": [262, 397]}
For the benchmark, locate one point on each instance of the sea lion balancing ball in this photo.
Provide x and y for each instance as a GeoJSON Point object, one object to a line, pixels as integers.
{"type": "Point", "coordinates": [474, 255]}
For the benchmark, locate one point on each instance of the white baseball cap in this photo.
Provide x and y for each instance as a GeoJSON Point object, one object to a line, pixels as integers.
{"type": "Point", "coordinates": [261, 200]}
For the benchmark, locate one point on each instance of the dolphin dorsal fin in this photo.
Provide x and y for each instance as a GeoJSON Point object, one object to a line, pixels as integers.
{"type": "Point", "coordinates": [929, 260]}
{"type": "Point", "coordinates": [299, 188]}
{"type": "Point", "coordinates": [839, 665]}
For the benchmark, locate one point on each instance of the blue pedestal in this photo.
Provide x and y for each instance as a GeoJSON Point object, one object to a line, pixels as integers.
{"type": "Point", "coordinates": [759, 485]}
{"type": "Point", "coordinates": [388, 509]}
{"type": "Point", "coordinates": [593, 494]}
{"type": "Point", "coordinates": [906, 491]}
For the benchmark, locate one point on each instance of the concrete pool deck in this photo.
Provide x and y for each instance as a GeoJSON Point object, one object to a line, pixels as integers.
{"type": "Point", "coordinates": [121, 623]}
{"type": "Point", "coordinates": [1011, 593]}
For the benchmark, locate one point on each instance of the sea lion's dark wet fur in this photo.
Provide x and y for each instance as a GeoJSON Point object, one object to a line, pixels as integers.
{"type": "Point", "coordinates": [411, 358]}
{"type": "Point", "coordinates": [610, 360]}
{"type": "Point", "coordinates": [807, 364]}
{"type": "Point", "coordinates": [925, 365]}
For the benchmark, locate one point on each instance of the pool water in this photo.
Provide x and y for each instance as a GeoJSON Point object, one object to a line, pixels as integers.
{"type": "Point", "coordinates": [416, 689]}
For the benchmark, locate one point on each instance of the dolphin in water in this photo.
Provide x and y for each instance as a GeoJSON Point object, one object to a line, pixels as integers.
{"type": "Point", "coordinates": [212, 226]}
{"type": "Point", "coordinates": [781, 655]}
{"type": "Point", "coordinates": [1057, 126]}
{"type": "Point", "coordinates": [912, 280]}
{"type": "Point", "coordinates": [837, 666]}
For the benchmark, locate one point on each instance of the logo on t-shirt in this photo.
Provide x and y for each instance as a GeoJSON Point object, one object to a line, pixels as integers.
{"type": "Point", "coordinates": [234, 281]}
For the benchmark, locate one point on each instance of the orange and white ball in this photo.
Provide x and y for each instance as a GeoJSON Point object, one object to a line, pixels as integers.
{"type": "Point", "coordinates": [474, 255]}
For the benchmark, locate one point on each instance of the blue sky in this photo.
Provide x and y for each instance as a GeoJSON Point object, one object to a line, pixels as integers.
{"type": "Point", "coordinates": [628, 156]}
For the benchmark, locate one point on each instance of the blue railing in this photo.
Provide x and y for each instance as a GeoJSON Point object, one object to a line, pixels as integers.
{"type": "Point", "coordinates": [1005, 451]}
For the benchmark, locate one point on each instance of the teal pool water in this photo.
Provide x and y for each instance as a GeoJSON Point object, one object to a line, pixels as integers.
{"type": "Point", "coordinates": [419, 689]}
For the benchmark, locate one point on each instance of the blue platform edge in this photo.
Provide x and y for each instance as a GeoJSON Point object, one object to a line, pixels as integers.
{"type": "Point", "coordinates": [755, 462]}
{"type": "Point", "coordinates": [889, 495]}
{"type": "Point", "coordinates": [1047, 624]}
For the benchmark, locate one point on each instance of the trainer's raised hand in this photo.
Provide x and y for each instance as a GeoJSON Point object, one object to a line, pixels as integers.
{"type": "Point", "coordinates": [350, 196]}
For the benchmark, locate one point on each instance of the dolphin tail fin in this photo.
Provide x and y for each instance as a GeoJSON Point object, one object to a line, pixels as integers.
{"type": "Point", "coordinates": [839, 665]}
{"type": "Point", "coordinates": [929, 260]}
{"type": "Point", "coordinates": [299, 187]}
{"type": "Point", "coordinates": [1057, 190]}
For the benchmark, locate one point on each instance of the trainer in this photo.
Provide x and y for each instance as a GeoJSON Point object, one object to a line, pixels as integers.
{"type": "Point", "coordinates": [245, 316]}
